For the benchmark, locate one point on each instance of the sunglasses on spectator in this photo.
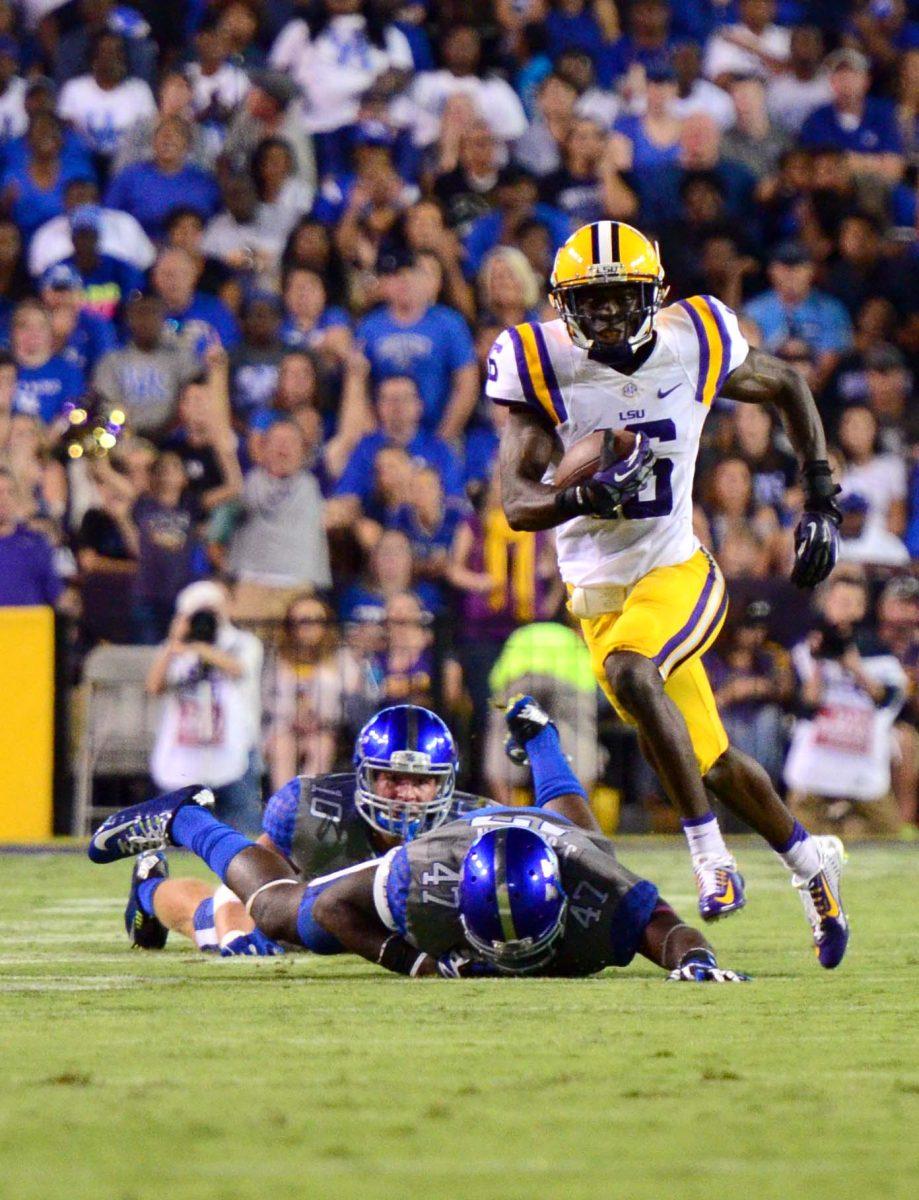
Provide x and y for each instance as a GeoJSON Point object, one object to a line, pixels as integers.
{"type": "Point", "coordinates": [309, 621]}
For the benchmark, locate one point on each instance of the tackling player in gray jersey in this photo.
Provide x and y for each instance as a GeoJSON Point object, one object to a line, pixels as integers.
{"type": "Point", "coordinates": [499, 891]}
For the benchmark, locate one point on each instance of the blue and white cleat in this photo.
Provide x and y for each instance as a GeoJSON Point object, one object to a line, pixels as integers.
{"type": "Point", "coordinates": [143, 827]}
{"type": "Point", "coordinates": [525, 719]}
{"type": "Point", "coordinates": [145, 932]}
{"type": "Point", "coordinates": [823, 903]}
{"type": "Point", "coordinates": [720, 887]}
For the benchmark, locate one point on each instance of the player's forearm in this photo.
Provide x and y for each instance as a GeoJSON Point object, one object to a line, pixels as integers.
{"type": "Point", "coordinates": [346, 911]}
{"type": "Point", "coordinates": [530, 505]}
{"type": "Point", "coordinates": [764, 379]}
{"type": "Point", "coordinates": [667, 940]}
{"type": "Point", "coordinates": [527, 447]}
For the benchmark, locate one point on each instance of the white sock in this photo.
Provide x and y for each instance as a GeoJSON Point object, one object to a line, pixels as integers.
{"type": "Point", "coordinates": [803, 855]}
{"type": "Point", "coordinates": [704, 837]}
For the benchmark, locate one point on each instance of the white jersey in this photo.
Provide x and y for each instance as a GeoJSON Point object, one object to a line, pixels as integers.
{"type": "Point", "coordinates": [537, 367]}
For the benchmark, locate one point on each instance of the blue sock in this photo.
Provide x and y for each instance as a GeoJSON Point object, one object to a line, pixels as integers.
{"type": "Point", "coordinates": [552, 776]}
{"type": "Point", "coordinates": [196, 829]}
{"type": "Point", "coordinates": [145, 892]}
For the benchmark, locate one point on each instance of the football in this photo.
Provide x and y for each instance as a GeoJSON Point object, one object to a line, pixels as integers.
{"type": "Point", "coordinates": [582, 460]}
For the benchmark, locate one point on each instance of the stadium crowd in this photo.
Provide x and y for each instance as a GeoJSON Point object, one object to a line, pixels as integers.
{"type": "Point", "coordinates": [253, 255]}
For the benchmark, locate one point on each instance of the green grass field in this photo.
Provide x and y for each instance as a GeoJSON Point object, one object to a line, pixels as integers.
{"type": "Point", "coordinates": [132, 1076]}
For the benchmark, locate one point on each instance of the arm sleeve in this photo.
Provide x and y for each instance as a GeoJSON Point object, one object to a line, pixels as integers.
{"type": "Point", "coordinates": [461, 348]}
{"type": "Point", "coordinates": [357, 477]}
{"type": "Point", "coordinates": [280, 816]}
{"type": "Point", "coordinates": [505, 383]}
{"type": "Point", "coordinates": [710, 344]}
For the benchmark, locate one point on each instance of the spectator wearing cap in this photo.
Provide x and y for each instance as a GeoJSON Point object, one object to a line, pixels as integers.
{"type": "Point", "coordinates": [13, 119]}
{"type": "Point", "coordinates": [864, 541]}
{"type": "Point", "coordinates": [399, 412]}
{"type": "Point", "coordinates": [280, 549]}
{"type": "Point", "coordinates": [495, 101]}
{"type": "Point", "coordinates": [517, 200]}
{"type": "Point", "coordinates": [79, 336]}
{"type": "Point", "coordinates": [752, 46]}
{"type": "Point", "coordinates": [219, 85]}
{"type": "Point", "coordinates": [242, 239]}
{"type": "Point", "coordinates": [119, 235]}
{"type": "Point", "coordinates": [145, 376]}
{"type": "Point", "coordinates": [45, 382]}
{"type": "Point", "coordinates": [33, 184]}
{"type": "Point", "coordinates": [793, 306]}
{"type": "Point", "coordinates": [863, 126]}
{"type": "Point", "coordinates": [149, 191]}
{"type": "Point", "coordinates": [106, 281]}
{"type": "Point", "coordinates": [880, 478]}
{"type": "Point", "coordinates": [588, 186]}
{"type": "Point", "coordinates": [74, 50]}
{"type": "Point", "coordinates": [194, 314]}
{"type": "Point", "coordinates": [334, 54]}
{"type": "Point", "coordinates": [429, 343]}
{"type": "Point", "coordinates": [651, 140]}
{"type": "Point", "coordinates": [696, 94]}
{"type": "Point", "coordinates": [754, 141]}
{"type": "Point", "coordinates": [269, 111]}
{"type": "Point", "coordinates": [27, 572]}
{"type": "Point", "coordinates": [209, 673]}
{"type": "Point", "coordinates": [752, 681]}
{"type": "Point", "coordinates": [793, 94]}
{"type": "Point", "coordinates": [283, 197]}
{"type": "Point", "coordinates": [102, 105]}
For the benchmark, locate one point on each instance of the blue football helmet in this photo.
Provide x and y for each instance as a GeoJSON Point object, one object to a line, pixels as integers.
{"type": "Point", "coordinates": [512, 903]}
{"type": "Point", "coordinates": [405, 740]}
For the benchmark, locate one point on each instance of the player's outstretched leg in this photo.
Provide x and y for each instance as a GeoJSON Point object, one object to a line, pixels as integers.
{"type": "Point", "coordinates": [212, 918]}
{"type": "Point", "coordinates": [636, 682]}
{"type": "Point", "coordinates": [742, 785]}
{"type": "Point", "coordinates": [145, 930]}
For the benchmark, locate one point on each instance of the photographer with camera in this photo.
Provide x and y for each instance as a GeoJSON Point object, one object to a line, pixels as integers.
{"type": "Point", "coordinates": [851, 688]}
{"type": "Point", "coordinates": [210, 675]}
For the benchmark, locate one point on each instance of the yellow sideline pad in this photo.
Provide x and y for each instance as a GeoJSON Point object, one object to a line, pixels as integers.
{"type": "Point", "coordinates": [26, 723]}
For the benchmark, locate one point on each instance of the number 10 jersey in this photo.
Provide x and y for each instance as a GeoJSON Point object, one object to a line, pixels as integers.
{"type": "Point", "coordinates": [537, 367]}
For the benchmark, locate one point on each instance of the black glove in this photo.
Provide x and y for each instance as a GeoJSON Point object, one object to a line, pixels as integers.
{"type": "Point", "coordinates": [604, 494]}
{"type": "Point", "coordinates": [817, 536]}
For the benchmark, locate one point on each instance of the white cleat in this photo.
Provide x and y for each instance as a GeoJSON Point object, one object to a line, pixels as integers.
{"type": "Point", "coordinates": [822, 902]}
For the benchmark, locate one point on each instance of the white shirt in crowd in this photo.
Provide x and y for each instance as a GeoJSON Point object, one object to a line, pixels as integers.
{"type": "Point", "coordinates": [875, 546]}
{"type": "Point", "coordinates": [120, 235]}
{"type": "Point", "coordinates": [881, 480]}
{"type": "Point", "coordinates": [723, 56]}
{"type": "Point", "coordinates": [843, 752]}
{"type": "Point", "coordinates": [103, 117]}
{"type": "Point", "coordinates": [210, 723]}
{"type": "Point", "coordinates": [494, 99]}
{"type": "Point", "coordinates": [711, 100]}
{"type": "Point", "coordinates": [791, 101]}
{"type": "Point", "coordinates": [336, 69]}
{"type": "Point", "coordinates": [13, 119]}
{"type": "Point", "coordinates": [227, 87]}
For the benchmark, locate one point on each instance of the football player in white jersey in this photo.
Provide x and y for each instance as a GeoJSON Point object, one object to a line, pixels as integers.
{"type": "Point", "coordinates": [650, 599]}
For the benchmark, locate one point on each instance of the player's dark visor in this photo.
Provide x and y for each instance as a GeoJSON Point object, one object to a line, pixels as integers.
{"type": "Point", "coordinates": [610, 313]}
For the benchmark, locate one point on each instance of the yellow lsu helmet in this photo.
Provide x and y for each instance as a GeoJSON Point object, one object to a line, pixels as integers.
{"type": "Point", "coordinates": [607, 283]}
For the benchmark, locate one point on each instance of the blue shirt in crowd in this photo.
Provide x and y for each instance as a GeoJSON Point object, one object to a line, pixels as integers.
{"type": "Point", "coordinates": [875, 133]}
{"type": "Point", "coordinates": [329, 318]}
{"type": "Point", "coordinates": [27, 574]}
{"type": "Point", "coordinates": [206, 310]}
{"type": "Point", "coordinates": [485, 231]}
{"type": "Point", "coordinates": [108, 285]}
{"type": "Point", "coordinates": [150, 196]}
{"type": "Point", "coordinates": [91, 338]}
{"type": "Point", "coordinates": [429, 351]}
{"type": "Point", "coordinates": [30, 205]}
{"type": "Point", "coordinates": [820, 320]}
{"type": "Point", "coordinates": [43, 391]}
{"type": "Point", "coordinates": [359, 477]}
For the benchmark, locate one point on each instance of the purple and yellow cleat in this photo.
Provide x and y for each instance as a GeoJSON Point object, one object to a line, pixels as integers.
{"type": "Point", "coordinates": [823, 904]}
{"type": "Point", "coordinates": [720, 887]}
{"type": "Point", "coordinates": [143, 827]}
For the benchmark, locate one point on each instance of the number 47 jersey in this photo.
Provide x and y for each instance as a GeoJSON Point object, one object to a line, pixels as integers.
{"type": "Point", "coordinates": [536, 367]}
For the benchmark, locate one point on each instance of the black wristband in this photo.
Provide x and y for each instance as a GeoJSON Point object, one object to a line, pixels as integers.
{"type": "Point", "coordinates": [570, 502]}
{"type": "Point", "coordinates": [818, 479]}
{"type": "Point", "coordinates": [397, 955]}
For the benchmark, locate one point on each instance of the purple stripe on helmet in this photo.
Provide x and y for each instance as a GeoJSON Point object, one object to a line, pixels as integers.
{"type": "Point", "coordinates": [703, 349]}
{"type": "Point", "coordinates": [712, 626]}
{"type": "Point", "coordinates": [595, 242]}
{"type": "Point", "coordinates": [715, 309]}
{"type": "Point", "coordinates": [690, 625]}
{"type": "Point", "coordinates": [549, 373]}
{"type": "Point", "coordinates": [523, 370]}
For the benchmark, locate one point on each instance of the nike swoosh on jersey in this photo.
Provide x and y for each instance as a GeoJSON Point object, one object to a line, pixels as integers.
{"type": "Point", "coordinates": [661, 394]}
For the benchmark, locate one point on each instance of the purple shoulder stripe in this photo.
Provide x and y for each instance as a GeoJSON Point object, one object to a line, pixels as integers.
{"type": "Point", "coordinates": [703, 348]}
{"type": "Point", "coordinates": [523, 370]}
{"type": "Point", "coordinates": [549, 373]}
{"type": "Point", "coordinates": [715, 309]}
